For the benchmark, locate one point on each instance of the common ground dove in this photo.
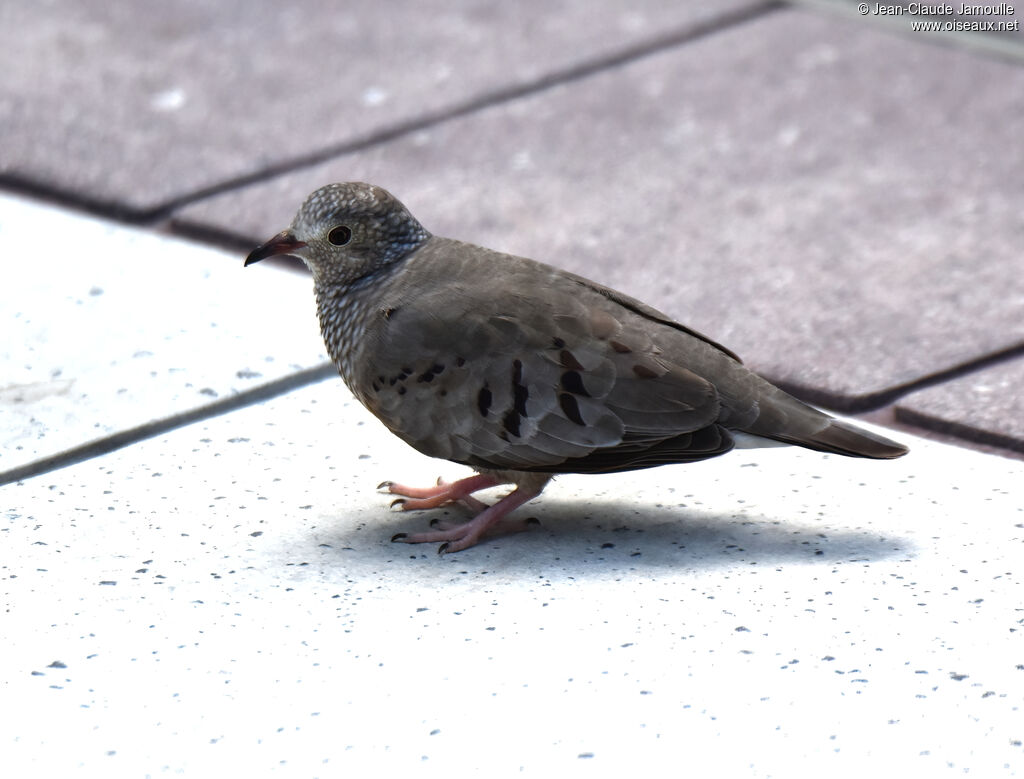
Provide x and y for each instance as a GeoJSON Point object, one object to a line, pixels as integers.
{"type": "Point", "coordinates": [521, 370]}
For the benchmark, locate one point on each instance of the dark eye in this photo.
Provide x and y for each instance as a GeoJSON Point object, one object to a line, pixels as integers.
{"type": "Point", "coordinates": [340, 235]}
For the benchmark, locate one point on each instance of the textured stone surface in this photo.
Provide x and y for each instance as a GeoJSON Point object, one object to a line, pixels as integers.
{"type": "Point", "coordinates": [108, 328]}
{"type": "Point", "coordinates": [987, 406]}
{"type": "Point", "coordinates": [224, 598]}
{"type": "Point", "coordinates": [134, 104]}
{"type": "Point", "coordinates": [832, 202]}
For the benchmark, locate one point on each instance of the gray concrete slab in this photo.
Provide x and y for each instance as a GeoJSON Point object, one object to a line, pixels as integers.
{"type": "Point", "coordinates": [986, 407]}
{"type": "Point", "coordinates": [107, 328]}
{"type": "Point", "coordinates": [836, 204]}
{"type": "Point", "coordinates": [132, 105]}
{"type": "Point", "coordinates": [224, 599]}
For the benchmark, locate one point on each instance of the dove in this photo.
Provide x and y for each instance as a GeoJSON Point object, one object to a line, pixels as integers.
{"type": "Point", "coordinates": [520, 370]}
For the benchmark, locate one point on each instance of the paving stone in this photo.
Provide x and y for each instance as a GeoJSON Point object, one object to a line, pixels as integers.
{"type": "Point", "coordinates": [986, 407]}
{"type": "Point", "coordinates": [132, 105]}
{"type": "Point", "coordinates": [108, 328]}
{"type": "Point", "coordinates": [226, 596]}
{"type": "Point", "coordinates": [832, 202]}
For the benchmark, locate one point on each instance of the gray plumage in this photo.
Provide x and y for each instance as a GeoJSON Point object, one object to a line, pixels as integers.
{"type": "Point", "coordinates": [519, 369]}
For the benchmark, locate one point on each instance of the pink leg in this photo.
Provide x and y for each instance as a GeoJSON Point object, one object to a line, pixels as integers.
{"type": "Point", "coordinates": [444, 492]}
{"type": "Point", "coordinates": [455, 539]}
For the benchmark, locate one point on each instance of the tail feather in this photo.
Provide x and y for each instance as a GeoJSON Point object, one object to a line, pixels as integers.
{"type": "Point", "coordinates": [841, 437]}
{"type": "Point", "coordinates": [784, 418]}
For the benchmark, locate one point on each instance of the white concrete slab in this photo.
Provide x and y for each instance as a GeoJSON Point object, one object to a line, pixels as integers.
{"type": "Point", "coordinates": [106, 327]}
{"type": "Point", "coordinates": [224, 600]}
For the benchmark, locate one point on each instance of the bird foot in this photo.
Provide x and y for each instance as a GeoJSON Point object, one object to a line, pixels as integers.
{"type": "Point", "coordinates": [490, 522]}
{"type": "Point", "coordinates": [416, 498]}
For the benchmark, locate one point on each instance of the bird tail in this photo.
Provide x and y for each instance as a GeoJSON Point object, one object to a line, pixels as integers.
{"type": "Point", "coordinates": [841, 437]}
{"type": "Point", "coordinates": [782, 417]}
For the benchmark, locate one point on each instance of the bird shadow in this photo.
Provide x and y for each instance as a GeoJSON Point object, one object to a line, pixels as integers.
{"type": "Point", "coordinates": [611, 533]}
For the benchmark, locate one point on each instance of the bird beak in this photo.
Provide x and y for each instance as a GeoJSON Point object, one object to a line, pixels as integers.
{"type": "Point", "coordinates": [282, 243]}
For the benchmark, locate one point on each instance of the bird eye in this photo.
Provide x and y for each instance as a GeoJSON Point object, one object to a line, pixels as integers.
{"type": "Point", "coordinates": [340, 235]}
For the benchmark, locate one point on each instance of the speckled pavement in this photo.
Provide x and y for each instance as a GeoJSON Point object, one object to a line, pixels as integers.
{"type": "Point", "coordinates": [197, 573]}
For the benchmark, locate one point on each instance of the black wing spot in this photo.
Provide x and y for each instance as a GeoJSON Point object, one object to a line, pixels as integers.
{"type": "Point", "coordinates": [460, 361]}
{"type": "Point", "coordinates": [429, 374]}
{"type": "Point", "coordinates": [568, 360]}
{"type": "Point", "coordinates": [511, 422]}
{"type": "Point", "coordinates": [401, 390]}
{"type": "Point", "coordinates": [520, 393]}
{"type": "Point", "coordinates": [558, 343]}
{"type": "Point", "coordinates": [402, 376]}
{"type": "Point", "coordinates": [519, 401]}
{"type": "Point", "coordinates": [573, 382]}
{"type": "Point", "coordinates": [483, 400]}
{"type": "Point", "coordinates": [570, 408]}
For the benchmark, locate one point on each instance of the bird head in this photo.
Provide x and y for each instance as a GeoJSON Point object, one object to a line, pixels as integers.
{"type": "Point", "coordinates": [344, 232]}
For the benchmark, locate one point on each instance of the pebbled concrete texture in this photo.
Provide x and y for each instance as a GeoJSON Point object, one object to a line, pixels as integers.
{"type": "Point", "coordinates": [986, 406]}
{"type": "Point", "coordinates": [225, 597]}
{"type": "Point", "coordinates": [136, 105]}
{"type": "Point", "coordinates": [108, 328]}
{"type": "Point", "coordinates": [830, 201]}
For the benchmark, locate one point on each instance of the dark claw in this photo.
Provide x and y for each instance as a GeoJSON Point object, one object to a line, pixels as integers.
{"type": "Point", "coordinates": [397, 502]}
{"type": "Point", "coordinates": [443, 549]}
{"type": "Point", "coordinates": [384, 484]}
{"type": "Point", "coordinates": [398, 537]}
